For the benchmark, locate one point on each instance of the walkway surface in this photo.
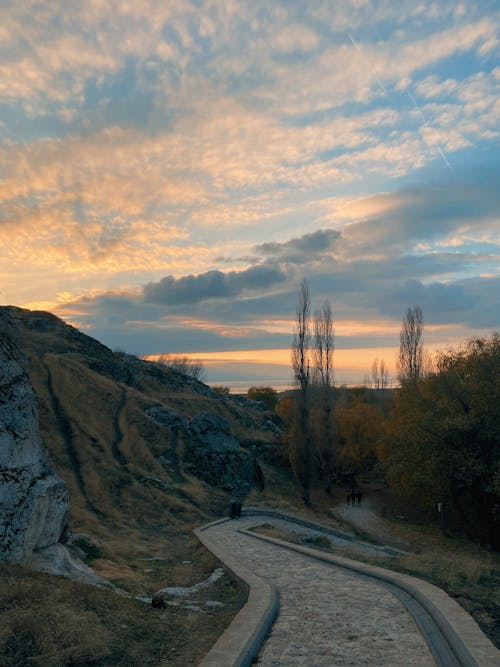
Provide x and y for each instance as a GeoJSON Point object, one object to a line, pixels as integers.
{"type": "Point", "coordinates": [366, 518]}
{"type": "Point", "coordinates": [327, 616]}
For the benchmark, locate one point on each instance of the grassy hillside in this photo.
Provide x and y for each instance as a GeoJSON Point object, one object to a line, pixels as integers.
{"type": "Point", "coordinates": [135, 497]}
{"type": "Point", "coordinates": [123, 469]}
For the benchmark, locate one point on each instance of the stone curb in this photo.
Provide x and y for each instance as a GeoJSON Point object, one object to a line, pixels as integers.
{"type": "Point", "coordinates": [471, 647]}
{"type": "Point", "coordinates": [258, 511]}
{"type": "Point", "coordinates": [240, 643]}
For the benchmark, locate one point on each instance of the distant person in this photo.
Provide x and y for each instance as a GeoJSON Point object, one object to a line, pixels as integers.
{"type": "Point", "coordinates": [358, 497]}
{"type": "Point", "coordinates": [348, 499]}
{"type": "Point", "coordinates": [353, 498]}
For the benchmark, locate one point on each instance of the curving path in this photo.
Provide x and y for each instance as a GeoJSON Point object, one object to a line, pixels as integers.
{"type": "Point", "coordinates": [328, 615]}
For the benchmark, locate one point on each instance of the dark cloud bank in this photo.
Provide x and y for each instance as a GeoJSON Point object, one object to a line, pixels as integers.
{"type": "Point", "coordinates": [211, 285]}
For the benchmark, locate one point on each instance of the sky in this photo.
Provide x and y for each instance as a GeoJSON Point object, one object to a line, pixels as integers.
{"type": "Point", "coordinates": [171, 170]}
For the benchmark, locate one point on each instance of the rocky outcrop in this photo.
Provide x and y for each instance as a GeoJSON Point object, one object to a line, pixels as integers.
{"type": "Point", "coordinates": [212, 432]}
{"type": "Point", "coordinates": [164, 417]}
{"type": "Point", "coordinates": [216, 456]}
{"type": "Point", "coordinates": [34, 502]}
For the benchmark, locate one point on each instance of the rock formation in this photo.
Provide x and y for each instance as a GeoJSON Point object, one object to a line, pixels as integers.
{"type": "Point", "coordinates": [217, 457]}
{"type": "Point", "coordinates": [34, 503]}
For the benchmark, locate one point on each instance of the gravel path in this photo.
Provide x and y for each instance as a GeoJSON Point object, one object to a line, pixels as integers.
{"type": "Point", "coordinates": [327, 616]}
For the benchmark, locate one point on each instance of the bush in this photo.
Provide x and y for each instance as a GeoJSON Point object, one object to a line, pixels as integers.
{"type": "Point", "coordinates": [224, 391]}
{"type": "Point", "coordinates": [192, 368]}
{"type": "Point", "coordinates": [265, 395]}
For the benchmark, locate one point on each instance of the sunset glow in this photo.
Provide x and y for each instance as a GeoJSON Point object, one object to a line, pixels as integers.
{"type": "Point", "coordinates": [172, 170]}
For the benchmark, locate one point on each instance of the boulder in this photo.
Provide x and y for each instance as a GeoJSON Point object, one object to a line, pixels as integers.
{"type": "Point", "coordinates": [58, 559]}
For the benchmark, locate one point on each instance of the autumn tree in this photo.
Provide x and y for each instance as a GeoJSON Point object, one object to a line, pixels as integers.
{"type": "Point", "coordinates": [444, 438]}
{"type": "Point", "coordinates": [411, 357]}
{"type": "Point", "coordinates": [322, 355]}
{"type": "Point", "coordinates": [300, 440]}
{"type": "Point", "coordinates": [360, 426]}
{"type": "Point", "coordinates": [284, 409]}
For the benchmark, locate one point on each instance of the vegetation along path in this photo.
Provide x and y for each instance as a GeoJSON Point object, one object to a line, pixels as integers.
{"type": "Point", "coordinates": [327, 615]}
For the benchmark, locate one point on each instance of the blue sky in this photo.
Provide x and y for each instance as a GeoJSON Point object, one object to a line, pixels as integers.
{"type": "Point", "coordinates": [170, 171]}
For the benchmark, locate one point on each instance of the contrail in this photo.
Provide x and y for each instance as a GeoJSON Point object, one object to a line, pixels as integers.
{"type": "Point", "coordinates": [381, 85]}
{"type": "Point", "coordinates": [440, 150]}
{"type": "Point", "coordinates": [413, 100]}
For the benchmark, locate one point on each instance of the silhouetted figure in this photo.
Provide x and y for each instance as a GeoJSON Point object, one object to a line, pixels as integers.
{"type": "Point", "coordinates": [235, 510]}
{"type": "Point", "coordinates": [348, 499]}
{"type": "Point", "coordinates": [358, 497]}
{"type": "Point", "coordinates": [353, 498]}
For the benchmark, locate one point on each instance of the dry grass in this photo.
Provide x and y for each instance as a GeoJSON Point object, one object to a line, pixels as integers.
{"type": "Point", "coordinates": [51, 622]}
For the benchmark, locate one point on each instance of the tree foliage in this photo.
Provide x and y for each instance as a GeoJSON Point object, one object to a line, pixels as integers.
{"type": "Point", "coordinates": [444, 443]}
{"type": "Point", "coordinates": [360, 426]}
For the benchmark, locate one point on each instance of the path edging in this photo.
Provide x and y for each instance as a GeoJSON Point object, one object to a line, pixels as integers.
{"type": "Point", "coordinates": [241, 641]}
{"type": "Point", "coordinates": [320, 528]}
{"type": "Point", "coordinates": [469, 643]}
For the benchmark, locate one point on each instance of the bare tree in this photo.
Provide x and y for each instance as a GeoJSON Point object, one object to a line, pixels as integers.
{"type": "Point", "coordinates": [411, 356]}
{"type": "Point", "coordinates": [379, 381]}
{"type": "Point", "coordinates": [322, 353]}
{"type": "Point", "coordinates": [300, 437]}
{"type": "Point", "coordinates": [384, 374]}
{"type": "Point", "coordinates": [379, 374]}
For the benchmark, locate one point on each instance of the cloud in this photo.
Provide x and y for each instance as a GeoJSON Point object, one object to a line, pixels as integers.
{"type": "Point", "coordinates": [301, 249]}
{"type": "Point", "coordinates": [360, 71]}
{"type": "Point", "coordinates": [211, 285]}
{"type": "Point", "coordinates": [433, 298]}
{"type": "Point", "coordinates": [465, 205]}
{"type": "Point", "coordinates": [141, 141]}
{"type": "Point", "coordinates": [295, 38]}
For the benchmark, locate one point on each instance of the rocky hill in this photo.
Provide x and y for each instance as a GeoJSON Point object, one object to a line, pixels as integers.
{"type": "Point", "coordinates": [137, 444]}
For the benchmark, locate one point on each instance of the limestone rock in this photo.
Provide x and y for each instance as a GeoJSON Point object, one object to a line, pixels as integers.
{"type": "Point", "coordinates": [57, 559]}
{"type": "Point", "coordinates": [34, 501]}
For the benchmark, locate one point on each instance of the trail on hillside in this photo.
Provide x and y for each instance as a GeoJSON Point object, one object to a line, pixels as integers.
{"type": "Point", "coordinates": [115, 445]}
{"type": "Point", "coordinates": [66, 431]}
